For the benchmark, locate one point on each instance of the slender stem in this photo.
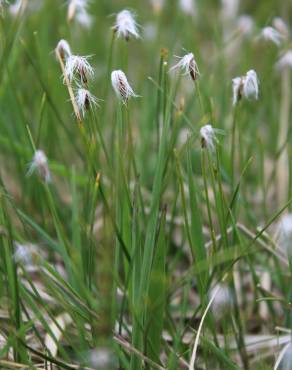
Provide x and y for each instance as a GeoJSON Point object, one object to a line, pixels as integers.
{"type": "Point", "coordinates": [233, 139]}
{"type": "Point", "coordinates": [282, 169]}
{"type": "Point", "coordinates": [204, 166]}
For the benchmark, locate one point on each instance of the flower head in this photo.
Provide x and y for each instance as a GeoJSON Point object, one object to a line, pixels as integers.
{"type": "Point", "coordinates": [285, 61]}
{"type": "Point", "coordinates": [76, 6]}
{"type": "Point", "coordinates": [188, 64]}
{"type": "Point", "coordinates": [251, 85]}
{"type": "Point", "coordinates": [281, 27]}
{"type": "Point", "coordinates": [284, 233]}
{"type": "Point", "coordinates": [63, 49]}
{"type": "Point", "coordinates": [208, 137]}
{"type": "Point", "coordinates": [223, 300]}
{"type": "Point", "coordinates": [79, 65]}
{"type": "Point", "coordinates": [245, 25]}
{"type": "Point", "coordinates": [85, 100]}
{"type": "Point", "coordinates": [229, 8]}
{"type": "Point", "coordinates": [126, 25]}
{"type": "Point", "coordinates": [121, 86]}
{"type": "Point", "coordinates": [39, 164]}
{"type": "Point", "coordinates": [246, 86]}
{"type": "Point", "coordinates": [16, 8]}
{"type": "Point", "coordinates": [271, 34]}
{"type": "Point", "coordinates": [84, 19]}
{"type": "Point", "coordinates": [188, 7]}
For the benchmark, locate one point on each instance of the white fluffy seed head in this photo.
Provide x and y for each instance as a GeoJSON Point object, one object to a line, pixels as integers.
{"type": "Point", "coordinates": [188, 65]}
{"type": "Point", "coordinates": [208, 137]}
{"type": "Point", "coordinates": [40, 165]}
{"type": "Point", "coordinates": [237, 85]}
{"type": "Point", "coordinates": [245, 87]}
{"type": "Point", "coordinates": [121, 86]}
{"type": "Point", "coordinates": [245, 25]}
{"type": "Point", "coordinates": [272, 35]}
{"type": "Point", "coordinates": [85, 100]}
{"type": "Point", "coordinates": [284, 234]}
{"type": "Point", "coordinates": [229, 9]}
{"type": "Point", "coordinates": [285, 62]}
{"type": "Point", "coordinates": [16, 8]}
{"type": "Point", "coordinates": [102, 358]}
{"type": "Point", "coordinates": [222, 302]}
{"type": "Point", "coordinates": [280, 25]}
{"type": "Point", "coordinates": [251, 85]}
{"type": "Point", "coordinates": [188, 7]}
{"type": "Point", "coordinates": [126, 25]}
{"type": "Point", "coordinates": [78, 65]}
{"type": "Point", "coordinates": [84, 19]}
{"type": "Point", "coordinates": [63, 49]}
{"type": "Point", "coordinates": [24, 253]}
{"type": "Point", "coordinates": [76, 6]}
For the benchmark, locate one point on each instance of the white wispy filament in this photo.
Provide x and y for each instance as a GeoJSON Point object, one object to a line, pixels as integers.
{"type": "Point", "coordinates": [121, 86]}
{"type": "Point", "coordinates": [63, 49]}
{"type": "Point", "coordinates": [79, 65]}
{"type": "Point", "coordinates": [126, 25]}
{"type": "Point", "coordinates": [285, 61]}
{"type": "Point", "coordinates": [188, 65]}
{"type": "Point", "coordinates": [208, 137]}
{"type": "Point", "coordinates": [245, 87]}
{"type": "Point", "coordinates": [40, 165]}
{"type": "Point", "coordinates": [271, 34]}
{"type": "Point", "coordinates": [85, 100]}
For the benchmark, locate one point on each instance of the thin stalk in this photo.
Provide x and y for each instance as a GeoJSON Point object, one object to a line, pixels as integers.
{"type": "Point", "coordinates": [282, 169]}
{"type": "Point", "coordinates": [204, 167]}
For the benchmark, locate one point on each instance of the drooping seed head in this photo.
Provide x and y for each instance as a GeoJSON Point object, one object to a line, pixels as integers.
{"type": "Point", "coordinates": [245, 25]}
{"type": "Point", "coordinates": [85, 100]}
{"type": "Point", "coordinates": [40, 165]}
{"type": "Point", "coordinates": [121, 86]}
{"type": "Point", "coordinates": [84, 19]}
{"type": "Point", "coordinates": [285, 62]}
{"type": "Point", "coordinates": [237, 86]}
{"type": "Point", "coordinates": [208, 137]}
{"type": "Point", "coordinates": [229, 9]}
{"type": "Point", "coordinates": [126, 25]}
{"type": "Point", "coordinates": [63, 49]}
{"type": "Point", "coordinates": [280, 25]}
{"type": "Point", "coordinates": [188, 65]}
{"type": "Point", "coordinates": [272, 35]}
{"type": "Point", "coordinates": [76, 6]}
{"type": "Point", "coordinates": [251, 85]}
{"type": "Point", "coordinates": [284, 234]}
{"type": "Point", "coordinates": [16, 8]}
{"type": "Point", "coordinates": [78, 65]}
{"type": "Point", "coordinates": [245, 87]}
{"type": "Point", "coordinates": [188, 7]}
{"type": "Point", "coordinates": [222, 302]}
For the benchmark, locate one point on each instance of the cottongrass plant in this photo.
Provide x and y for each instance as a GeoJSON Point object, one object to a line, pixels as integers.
{"type": "Point", "coordinates": [150, 252]}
